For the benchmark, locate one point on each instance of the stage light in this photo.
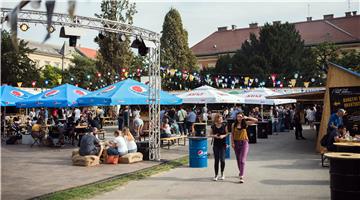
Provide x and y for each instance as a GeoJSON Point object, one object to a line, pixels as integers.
{"type": "Point", "coordinates": [121, 37]}
{"type": "Point", "coordinates": [51, 29]}
{"type": "Point", "coordinates": [24, 27]}
{"type": "Point", "coordinates": [142, 46]}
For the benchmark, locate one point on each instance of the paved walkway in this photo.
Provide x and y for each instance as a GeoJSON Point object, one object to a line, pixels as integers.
{"type": "Point", "coordinates": [278, 168]}
{"type": "Point", "coordinates": [29, 172]}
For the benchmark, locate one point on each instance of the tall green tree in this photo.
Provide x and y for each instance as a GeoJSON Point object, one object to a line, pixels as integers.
{"type": "Point", "coordinates": [324, 53]}
{"type": "Point", "coordinates": [114, 54]}
{"type": "Point", "coordinates": [83, 72]}
{"type": "Point", "coordinates": [278, 50]}
{"type": "Point", "coordinates": [349, 59]}
{"type": "Point", "coordinates": [16, 66]}
{"type": "Point", "coordinates": [175, 51]}
{"type": "Point", "coordinates": [50, 76]}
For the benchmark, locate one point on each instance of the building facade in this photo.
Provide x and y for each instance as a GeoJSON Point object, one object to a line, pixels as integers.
{"type": "Point", "coordinates": [342, 31]}
{"type": "Point", "coordinates": [57, 56]}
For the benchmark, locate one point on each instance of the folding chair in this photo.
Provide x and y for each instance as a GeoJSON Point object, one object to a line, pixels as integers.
{"type": "Point", "coordinates": [37, 139]}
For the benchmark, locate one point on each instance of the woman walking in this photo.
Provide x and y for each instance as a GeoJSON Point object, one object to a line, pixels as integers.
{"type": "Point", "coordinates": [219, 133]}
{"type": "Point", "coordinates": [240, 141]}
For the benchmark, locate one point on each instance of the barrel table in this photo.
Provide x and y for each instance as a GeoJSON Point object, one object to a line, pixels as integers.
{"type": "Point", "coordinates": [353, 147]}
{"type": "Point", "coordinates": [344, 175]}
{"type": "Point", "coordinates": [198, 155]}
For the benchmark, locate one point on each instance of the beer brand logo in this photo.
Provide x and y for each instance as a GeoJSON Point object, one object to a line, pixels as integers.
{"type": "Point", "coordinates": [80, 92]}
{"type": "Point", "coordinates": [138, 89]}
{"type": "Point", "coordinates": [200, 153]}
{"type": "Point", "coordinates": [17, 93]}
{"type": "Point", "coordinates": [51, 93]}
{"type": "Point", "coordinates": [108, 89]}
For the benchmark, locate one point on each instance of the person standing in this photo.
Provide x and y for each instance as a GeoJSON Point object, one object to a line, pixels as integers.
{"type": "Point", "coordinates": [181, 114]}
{"type": "Point", "coordinates": [77, 114]}
{"type": "Point", "coordinates": [126, 115]}
{"type": "Point", "coordinates": [240, 141]}
{"type": "Point", "coordinates": [219, 132]}
{"type": "Point", "coordinates": [190, 120]}
{"type": "Point", "coordinates": [120, 119]}
{"type": "Point", "coordinates": [298, 125]}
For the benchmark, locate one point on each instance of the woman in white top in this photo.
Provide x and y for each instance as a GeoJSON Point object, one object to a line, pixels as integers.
{"type": "Point", "coordinates": [130, 141]}
{"type": "Point", "coordinates": [121, 144]}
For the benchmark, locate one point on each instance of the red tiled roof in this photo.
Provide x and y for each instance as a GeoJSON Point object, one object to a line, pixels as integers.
{"type": "Point", "coordinates": [336, 30]}
{"type": "Point", "coordinates": [90, 53]}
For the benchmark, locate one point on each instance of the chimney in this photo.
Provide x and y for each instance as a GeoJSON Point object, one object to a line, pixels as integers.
{"type": "Point", "coordinates": [276, 22]}
{"type": "Point", "coordinates": [354, 13]}
{"type": "Point", "coordinates": [347, 14]}
{"type": "Point", "coordinates": [233, 27]}
{"type": "Point", "coordinates": [223, 28]}
{"type": "Point", "coordinates": [329, 16]}
{"type": "Point", "coordinates": [253, 25]}
{"type": "Point", "coordinates": [308, 19]}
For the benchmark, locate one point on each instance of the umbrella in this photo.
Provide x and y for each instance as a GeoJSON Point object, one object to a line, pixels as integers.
{"type": "Point", "coordinates": [258, 96]}
{"type": "Point", "coordinates": [57, 97]}
{"type": "Point", "coordinates": [127, 92]}
{"type": "Point", "coordinates": [10, 95]}
{"type": "Point", "coordinates": [209, 95]}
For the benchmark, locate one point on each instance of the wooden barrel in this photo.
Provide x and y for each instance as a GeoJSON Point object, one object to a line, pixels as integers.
{"type": "Point", "coordinates": [344, 176]}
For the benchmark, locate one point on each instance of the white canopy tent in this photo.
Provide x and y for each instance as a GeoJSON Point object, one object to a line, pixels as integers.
{"type": "Point", "coordinates": [258, 96]}
{"type": "Point", "coordinates": [209, 95]}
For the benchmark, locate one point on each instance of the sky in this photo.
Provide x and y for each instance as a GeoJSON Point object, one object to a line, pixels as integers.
{"type": "Point", "coordinates": [200, 18]}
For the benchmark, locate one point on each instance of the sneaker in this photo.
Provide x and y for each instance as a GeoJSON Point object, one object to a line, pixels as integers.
{"type": "Point", "coordinates": [222, 177]}
{"type": "Point", "coordinates": [215, 178]}
{"type": "Point", "coordinates": [241, 179]}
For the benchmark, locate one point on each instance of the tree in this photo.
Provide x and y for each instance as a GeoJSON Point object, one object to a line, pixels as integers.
{"type": "Point", "coordinates": [324, 53]}
{"type": "Point", "coordinates": [114, 54]}
{"type": "Point", "coordinates": [16, 66]}
{"type": "Point", "coordinates": [175, 51]}
{"type": "Point", "coordinates": [349, 59]}
{"type": "Point", "coordinates": [83, 72]}
{"type": "Point", "coordinates": [278, 50]}
{"type": "Point", "coordinates": [50, 76]}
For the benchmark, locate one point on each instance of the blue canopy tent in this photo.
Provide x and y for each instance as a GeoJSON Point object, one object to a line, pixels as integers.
{"type": "Point", "coordinates": [127, 92]}
{"type": "Point", "coordinates": [57, 97]}
{"type": "Point", "coordinates": [10, 95]}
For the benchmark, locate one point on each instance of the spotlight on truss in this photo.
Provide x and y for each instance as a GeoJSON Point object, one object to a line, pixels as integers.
{"type": "Point", "coordinates": [24, 27]}
{"type": "Point", "coordinates": [143, 46]}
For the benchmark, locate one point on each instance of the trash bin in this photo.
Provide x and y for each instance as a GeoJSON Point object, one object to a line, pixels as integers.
{"type": "Point", "coordinates": [251, 131]}
{"type": "Point", "coordinates": [200, 129]}
{"type": "Point", "coordinates": [143, 147]}
{"type": "Point", "coordinates": [262, 129]}
{"type": "Point", "coordinates": [198, 155]}
{"type": "Point", "coordinates": [228, 147]}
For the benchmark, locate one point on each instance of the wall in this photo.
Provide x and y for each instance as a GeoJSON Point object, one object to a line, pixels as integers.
{"type": "Point", "coordinates": [52, 60]}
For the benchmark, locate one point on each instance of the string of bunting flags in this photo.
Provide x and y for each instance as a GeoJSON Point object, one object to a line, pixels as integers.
{"type": "Point", "coordinates": [175, 79]}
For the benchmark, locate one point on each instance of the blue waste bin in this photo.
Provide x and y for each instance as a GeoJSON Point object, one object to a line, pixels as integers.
{"type": "Point", "coordinates": [228, 147]}
{"type": "Point", "coordinates": [198, 155]}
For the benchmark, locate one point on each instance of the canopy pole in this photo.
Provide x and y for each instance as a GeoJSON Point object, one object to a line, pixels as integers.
{"type": "Point", "coordinates": [262, 112]}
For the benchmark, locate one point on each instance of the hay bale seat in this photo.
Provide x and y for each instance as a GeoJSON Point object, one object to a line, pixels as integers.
{"type": "Point", "coordinates": [131, 158]}
{"type": "Point", "coordinates": [86, 161]}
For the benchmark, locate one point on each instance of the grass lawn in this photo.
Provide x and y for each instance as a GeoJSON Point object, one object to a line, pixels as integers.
{"type": "Point", "coordinates": [90, 190]}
